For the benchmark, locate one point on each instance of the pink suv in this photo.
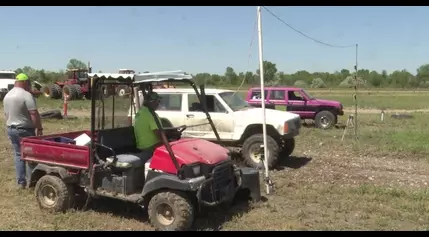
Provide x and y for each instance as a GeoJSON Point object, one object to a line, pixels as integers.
{"type": "Point", "coordinates": [297, 100]}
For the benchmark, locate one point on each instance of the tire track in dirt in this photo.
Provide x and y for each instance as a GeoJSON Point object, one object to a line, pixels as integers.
{"type": "Point", "coordinates": [377, 111]}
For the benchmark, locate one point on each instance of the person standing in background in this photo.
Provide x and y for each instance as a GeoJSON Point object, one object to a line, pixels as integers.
{"type": "Point", "coordinates": [22, 120]}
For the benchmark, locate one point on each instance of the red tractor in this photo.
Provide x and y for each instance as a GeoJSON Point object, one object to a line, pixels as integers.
{"type": "Point", "coordinates": [183, 174]}
{"type": "Point", "coordinates": [75, 87]}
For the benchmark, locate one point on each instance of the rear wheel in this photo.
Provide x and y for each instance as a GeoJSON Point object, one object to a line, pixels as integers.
{"type": "Point", "coordinates": [53, 195]}
{"type": "Point", "coordinates": [171, 211]}
{"type": "Point", "coordinates": [53, 91]}
{"type": "Point", "coordinates": [78, 90]}
{"type": "Point", "coordinates": [252, 152]}
{"type": "Point", "coordinates": [325, 120]}
{"type": "Point", "coordinates": [70, 92]}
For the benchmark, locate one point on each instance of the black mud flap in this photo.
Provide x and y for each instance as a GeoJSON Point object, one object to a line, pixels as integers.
{"type": "Point", "coordinates": [250, 181]}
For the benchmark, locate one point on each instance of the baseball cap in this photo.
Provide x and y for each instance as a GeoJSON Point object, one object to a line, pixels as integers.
{"type": "Point", "coordinates": [22, 77]}
{"type": "Point", "coordinates": [152, 96]}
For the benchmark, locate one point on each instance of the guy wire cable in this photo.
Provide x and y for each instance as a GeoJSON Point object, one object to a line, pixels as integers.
{"type": "Point", "coordinates": [332, 46]}
{"type": "Point", "coordinates": [250, 56]}
{"type": "Point", "coordinates": [306, 36]}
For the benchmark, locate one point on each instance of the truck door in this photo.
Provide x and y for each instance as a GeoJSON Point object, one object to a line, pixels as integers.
{"type": "Point", "coordinates": [297, 104]}
{"type": "Point", "coordinates": [197, 121]}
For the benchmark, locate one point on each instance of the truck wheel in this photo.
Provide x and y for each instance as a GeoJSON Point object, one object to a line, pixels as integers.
{"type": "Point", "coordinates": [171, 211]}
{"type": "Point", "coordinates": [286, 147]}
{"type": "Point", "coordinates": [325, 120]}
{"type": "Point", "coordinates": [121, 91]}
{"type": "Point", "coordinates": [53, 195]}
{"type": "Point", "coordinates": [251, 151]}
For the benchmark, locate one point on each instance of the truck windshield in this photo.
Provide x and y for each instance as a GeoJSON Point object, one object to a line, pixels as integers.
{"type": "Point", "coordinates": [7, 76]}
{"type": "Point", "coordinates": [234, 101]}
{"type": "Point", "coordinates": [306, 94]}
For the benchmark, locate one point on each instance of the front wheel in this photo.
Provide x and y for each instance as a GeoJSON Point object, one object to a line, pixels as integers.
{"type": "Point", "coordinates": [53, 195]}
{"type": "Point", "coordinates": [325, 120]}
{"type": "Point", "coordinates": [252, 152]}
{"type": "Point", "coordinates": [171, 211]}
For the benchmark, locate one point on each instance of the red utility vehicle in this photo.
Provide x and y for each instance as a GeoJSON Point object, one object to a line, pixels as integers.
{"type": "Point", "coordinates": [181, 175]}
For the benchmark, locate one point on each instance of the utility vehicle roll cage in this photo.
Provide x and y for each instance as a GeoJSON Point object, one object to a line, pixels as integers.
{"type": "Point", "coordinates": [144, 82]}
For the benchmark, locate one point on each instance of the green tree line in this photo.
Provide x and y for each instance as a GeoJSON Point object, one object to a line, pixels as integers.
{"type": "Point", "coordinates": [343, 79]}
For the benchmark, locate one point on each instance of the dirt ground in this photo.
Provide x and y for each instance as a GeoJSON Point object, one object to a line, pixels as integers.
{"type": "Point", "coordinates": [326, 185]}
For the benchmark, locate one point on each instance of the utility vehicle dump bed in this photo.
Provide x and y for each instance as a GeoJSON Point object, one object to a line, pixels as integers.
{"type": "Point", "coordinates": [57, 150]}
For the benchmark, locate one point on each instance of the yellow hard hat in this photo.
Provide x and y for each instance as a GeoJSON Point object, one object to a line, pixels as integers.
{"type": "Point", "coordinates": [22, 77]}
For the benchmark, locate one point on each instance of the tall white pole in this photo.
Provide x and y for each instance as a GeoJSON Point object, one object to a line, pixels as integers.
{"type": "Point", "coordinates": [261, 74]}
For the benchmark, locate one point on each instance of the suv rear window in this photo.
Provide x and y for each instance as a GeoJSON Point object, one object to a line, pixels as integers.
{"type": "Point", "coordinates": [170, 102]}
{"type": "Point", "coordinates": [256, 94]}
{"type": "Point", "coordinates": [277, 95]}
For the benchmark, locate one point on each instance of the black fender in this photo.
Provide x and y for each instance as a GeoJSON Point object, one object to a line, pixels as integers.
{"type": "Point", "coordinates": [41, 169]}
{"type": "Point", "coordinates": [336, 111]}
{"type": "Point", "coordinates": [168, 181]}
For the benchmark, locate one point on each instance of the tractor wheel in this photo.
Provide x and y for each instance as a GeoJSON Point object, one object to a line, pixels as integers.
{"type": "Point", "coordinates": [79, 94]}
{"type": "Point", "coordinates": [171, 211]}
{"type": "Point", "coordinates": [251, 151]}
{"type": "Point", "coordinates": [51, 114]}
{"type": "Point", "coordinates": [287, 146]}
{"type": "Point", "coordinates": [53, 91]}
{"type": "Point", "coordinates": [325, 120]}
{"type": "Point", "coordinates": [70, 92]}
{"type": "Point", "coordinates": [53, 195]}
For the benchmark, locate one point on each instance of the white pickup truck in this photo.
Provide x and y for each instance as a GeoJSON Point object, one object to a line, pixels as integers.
{"type": "Point", "coordinates": [238, 124]}
{"type": "Point", "coordinates": [7, 81]}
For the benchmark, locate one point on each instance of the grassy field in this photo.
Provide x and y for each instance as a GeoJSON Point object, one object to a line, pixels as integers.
{"type": "Point", "coordinates": [377, 183]}
{"type": "Point", "coordinates": [367, 100]}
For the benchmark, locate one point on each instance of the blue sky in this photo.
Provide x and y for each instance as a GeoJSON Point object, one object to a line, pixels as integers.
{"type": "Point", "coordinates": [208, 39]}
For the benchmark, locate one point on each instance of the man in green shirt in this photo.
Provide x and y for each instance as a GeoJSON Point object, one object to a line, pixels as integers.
{"type": "Point", "coordinates": [146, 131]}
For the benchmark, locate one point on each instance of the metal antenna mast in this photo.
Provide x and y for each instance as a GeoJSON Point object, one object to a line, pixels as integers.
{"type": "Point", "coordinates": [355, 96]}
{"type": "Point", "coordinates": [264, 124]}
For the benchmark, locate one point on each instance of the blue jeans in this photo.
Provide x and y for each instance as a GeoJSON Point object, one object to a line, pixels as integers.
{"type": "Point", "coordinates": [145, 155]}
{"type": "Point", "coordinates": [15, 135]}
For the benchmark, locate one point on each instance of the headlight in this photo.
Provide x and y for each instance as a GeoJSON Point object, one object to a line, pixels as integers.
{"type": "Point", "coordinates": [197, 170]}
{"type": "Point", "coordinates": [190, 171]}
